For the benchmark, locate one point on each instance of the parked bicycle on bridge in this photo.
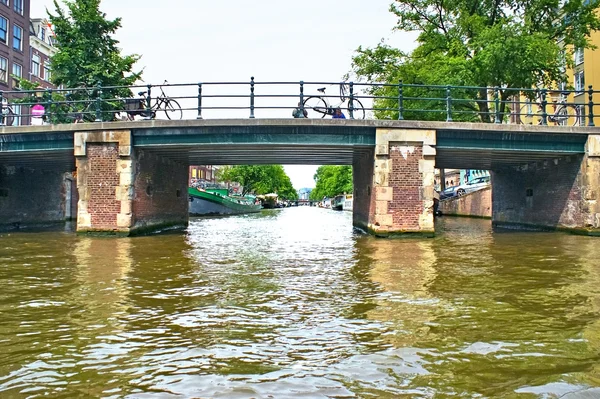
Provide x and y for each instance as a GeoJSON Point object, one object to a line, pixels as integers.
{"type": "Point", "coordinates": [162, 103]}
{"type": "Point", "coordinates": [561, 112]}
{"type": "Point", "coordinates": [319, 106]}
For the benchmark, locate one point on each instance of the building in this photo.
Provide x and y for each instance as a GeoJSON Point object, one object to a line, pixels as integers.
{"type": "Point", "coordinates": [202, 175]}
{"type": "Point", "coordinates": [14, 45]}
{"type": "Point", "coordinates": [41, 43]}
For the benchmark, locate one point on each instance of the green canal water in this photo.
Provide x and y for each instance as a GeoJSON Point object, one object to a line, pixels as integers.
{"type": "Point", "coordinates": [293, 303]}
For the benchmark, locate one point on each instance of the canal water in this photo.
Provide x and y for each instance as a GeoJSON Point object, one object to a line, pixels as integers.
{"type": "Point", "coordinates": [293, 303]}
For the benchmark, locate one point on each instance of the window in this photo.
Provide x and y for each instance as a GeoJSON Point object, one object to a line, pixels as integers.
{"type": "Point", "coordinates": [3, 69]}
{"type": "Point", "coordinates": [3, 30]}
{"type": "Point", "coordinates": [17, 37]}
{"type": "Point", "coordinates": [35, 65]}
{"type": "Point", "coordinates": [578, 56]}
{"type": "Point", "coordinates": [43, 34]}
{"type": "Point", "coordinates": [47, 73]}
{"type": "Point", "coordinates": [17, 71]}
{"type": "Point", "coordinates": [18, 6]}
{"type": "Point", "coordinates": [5, 2]}
{"type": "Point", "coordinates": [579, 82]}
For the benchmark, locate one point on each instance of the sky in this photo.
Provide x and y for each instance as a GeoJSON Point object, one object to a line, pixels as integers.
{"type": "Point", "coordinates": [186, 41]}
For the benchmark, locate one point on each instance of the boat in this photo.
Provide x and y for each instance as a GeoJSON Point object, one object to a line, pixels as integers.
{"type": "Point", "coordinates": [269, 201]}
{"type": "Point", "coordinates": [348, 202]}
{"type": "Point", "coordinates": [337, 203]}
{"type": "Point", "coordinates": [217, 201]}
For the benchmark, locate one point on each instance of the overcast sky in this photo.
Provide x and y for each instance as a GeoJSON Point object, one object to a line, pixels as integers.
{"type": "Point", "coordinates": [185, 41]}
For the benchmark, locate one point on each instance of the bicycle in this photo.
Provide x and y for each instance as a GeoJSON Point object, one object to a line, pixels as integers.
{"type": "Point", "coordinates": [8, 114]}
{"type": "Point", "coordinates": [319, 106]}
{"type": "Point", "coordinates": [137, 106]}
{"type": "Point", "coordinates": [561, 114]}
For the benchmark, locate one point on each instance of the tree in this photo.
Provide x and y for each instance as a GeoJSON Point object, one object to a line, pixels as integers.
{"type": "Point", "coordinates": [331, 180]}
{"type": "Point", "coordinates": [506, 44]}
{"type": "Point", "coordinates": [260, 179]}
{"type": "Point", "coordinates": [88, 55]}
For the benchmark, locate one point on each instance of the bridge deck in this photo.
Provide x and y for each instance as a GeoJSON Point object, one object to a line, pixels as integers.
{"type": "Point", "coordinates": [297, 141]}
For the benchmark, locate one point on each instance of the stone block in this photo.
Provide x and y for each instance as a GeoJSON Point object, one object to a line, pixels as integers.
{"type": "Point", "coordinates": [383, 220]}
{"type": "Point", "coordinates": [382, 149]}
{"type": "Point", "coordinates": [84, 219]}
{"type": "Point", "coordinates": [384, 136]}
{"type": "Point", "coordinates": [429, 151]}
{"type": "Point", "coordinates": [124, 220]}
{"type": "Point", "coordinates": [381, 207]}
{"type": "Point", "coordinates": [426, 166]}
{"type": "Point", "coordinates": [593, 146]}
{"type": "Point", "coordinates": [384, 193]}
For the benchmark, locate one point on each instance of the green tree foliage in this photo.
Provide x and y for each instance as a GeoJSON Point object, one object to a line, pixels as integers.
{"type": "Point", "coordinates": [331, 180]}
{"type": "Point", "coordinates": [502, 43]}
{"type": "Point", "coordinates": [88, 56]}
{"type": "Point", "coordinates": [260, 179]}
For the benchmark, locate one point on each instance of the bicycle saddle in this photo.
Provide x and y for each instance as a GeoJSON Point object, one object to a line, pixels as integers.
{"type": "Point", "coordinates": [322, 89]}
{"type": "Point", "coordinates": [141, 93]}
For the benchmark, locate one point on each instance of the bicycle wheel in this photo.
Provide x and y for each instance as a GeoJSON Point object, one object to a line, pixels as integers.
{"type": "Point", "coordinates": [9, 116]}
{"type": "Point", "coordinates": [316, 107]}
{"type": "Point", "coordinates": [172, 109]}
{"type": "Point", "coordinates": [358, 111]}
{"type": "Point", "coordinates": [566, 115]}
{"type": "Point", "coordinates": [530, 114]}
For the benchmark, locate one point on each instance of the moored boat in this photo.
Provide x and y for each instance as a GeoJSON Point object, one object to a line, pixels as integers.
{"type": "Point", "coordinates": [217, 201]}
{"type": "Point", "coordinates": [348, 202]}
{"type": "Point", "coordinates": [337, 203]}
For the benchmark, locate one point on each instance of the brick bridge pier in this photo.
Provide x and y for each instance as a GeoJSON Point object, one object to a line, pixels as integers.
{"type": "Point", "coordinates": [125, 191]}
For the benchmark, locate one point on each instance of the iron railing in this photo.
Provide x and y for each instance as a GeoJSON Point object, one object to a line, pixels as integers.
{"type": "Point", "coordinates": [254, 99]}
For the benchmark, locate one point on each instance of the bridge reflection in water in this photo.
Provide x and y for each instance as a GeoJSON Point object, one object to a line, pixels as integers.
{"type": "Point", "coordinates": [293, 303]}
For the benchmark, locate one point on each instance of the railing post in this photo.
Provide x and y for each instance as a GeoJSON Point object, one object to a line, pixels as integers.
{"type": "Point", "coordinates": [497, 102]}
{"type": "Point", "coordinates": [448, 105]}
{"type": "Point", "coordinates": [148, 100]}
{"type": "Point", "coordinates": [400, 100]}
{"type": "Point", "coordinates": [199, 101]}
{"type": "Point", "coordinates": [251, 97]}
{"type": "Point", "coordinates": [544, 104]}
{"type": "Point", "coordinates": [98, 103]}
{"type": "Point", "coordinates": [302, 97]}
{"type": "Point", "coordinates": [1, 108]}
{"type": "Point", "coordinates": [351, 101]}
{"type": "Point", "coordinates": [591, 106]}
{"type": "Point", "coordinates": [48, 112]}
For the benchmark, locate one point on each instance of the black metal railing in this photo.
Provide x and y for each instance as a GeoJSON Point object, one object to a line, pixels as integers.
{"type": "Point", "coordinates": [255, 99]}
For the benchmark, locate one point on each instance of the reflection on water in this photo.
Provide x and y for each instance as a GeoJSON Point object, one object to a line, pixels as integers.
{"type": "Point", "coordinates": [293, 304]}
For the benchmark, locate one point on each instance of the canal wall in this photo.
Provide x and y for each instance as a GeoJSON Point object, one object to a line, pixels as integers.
{"type": "Point", "coordinates": [476, 204]}
{"type": "Point", "coordinates": [31, 197]}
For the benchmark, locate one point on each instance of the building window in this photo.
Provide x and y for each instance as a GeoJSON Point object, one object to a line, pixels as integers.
{"type": "Point", "coordinates": [18, 6]}
{"type": "Point", "coordinates": [17, 37]}
{"type": "Point", "coordinates": [579, 82]}
{"type": "Point", "coordinates": [47, 73]}
{"type": "Point", "coordinates": [578, 56]}
{"type": "Point", "coordinates": [17, 71]}
{"type": "Point", "coordinates": [43, 34]}
{"type": "Point", "coordinates": [35, 65]}
{"type": "Point", "coordinates": [5, 2]}
{"type": "Point", "coordinates": [3, 69]}
{"type": "Point", "coordinates": [3, 30]}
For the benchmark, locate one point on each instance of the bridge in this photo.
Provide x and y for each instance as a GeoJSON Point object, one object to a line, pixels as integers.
{"type": "Point", "coordinates": [129, 177]}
